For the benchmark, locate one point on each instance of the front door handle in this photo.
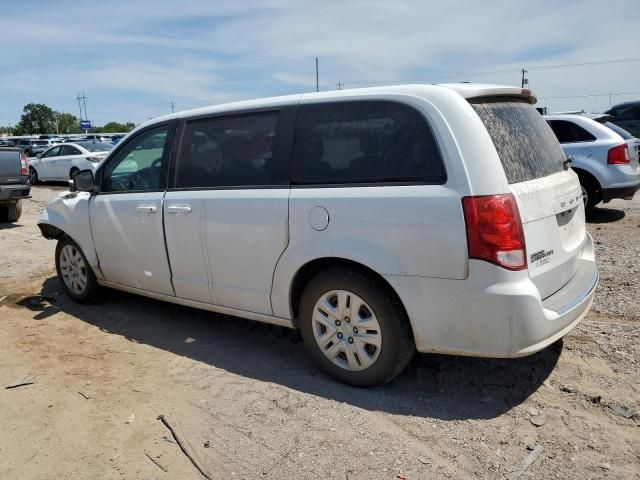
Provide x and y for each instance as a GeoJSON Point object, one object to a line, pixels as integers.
{"type": "Point", "coordinates": [179, 209]}
{"type": "Point", "coordinates": [147, 208]}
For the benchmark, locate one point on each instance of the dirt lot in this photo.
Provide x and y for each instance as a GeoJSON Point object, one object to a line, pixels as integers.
{"type": "Point", "coordinates": [247, 402]}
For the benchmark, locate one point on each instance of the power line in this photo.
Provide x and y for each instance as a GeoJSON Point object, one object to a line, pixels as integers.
{"type": "Point", "coordinates": [509, 70]}
{"type": "Point", "coordinates": [586, 64]}
{"type": "Point", "coordinates": [610, 94]}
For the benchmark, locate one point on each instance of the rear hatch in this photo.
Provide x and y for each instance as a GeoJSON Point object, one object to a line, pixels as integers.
{"type": "Point", "coordinates": [10, 166]}
{"type": "Point", "coordinates": [548, 195]}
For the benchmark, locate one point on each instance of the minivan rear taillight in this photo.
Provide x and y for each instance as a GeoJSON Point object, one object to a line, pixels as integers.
{"type": "Point", "coordinates": [494, 230]}
{"type": "Point", "coordinates": [618, 155]}
{"type": "Point", "coordinates": [24, 167]}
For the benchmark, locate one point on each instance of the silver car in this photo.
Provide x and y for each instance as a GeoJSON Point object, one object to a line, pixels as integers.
{"type": "Point", "coordinates": [606, 163]}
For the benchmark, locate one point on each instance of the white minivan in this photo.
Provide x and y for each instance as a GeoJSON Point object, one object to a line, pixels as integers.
{"type": "Point", "coordinates": [378, 221]}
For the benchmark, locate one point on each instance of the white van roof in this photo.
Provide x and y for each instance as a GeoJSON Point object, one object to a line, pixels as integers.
{"type": "Point", "coordinates": [466, 90]}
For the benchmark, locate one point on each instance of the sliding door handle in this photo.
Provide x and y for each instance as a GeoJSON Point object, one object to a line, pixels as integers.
{"type": "Point", "coordinates": [178, 209]}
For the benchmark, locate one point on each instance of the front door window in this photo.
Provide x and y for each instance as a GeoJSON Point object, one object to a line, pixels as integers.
{"type": "Point", "coordinates": [139, 165]}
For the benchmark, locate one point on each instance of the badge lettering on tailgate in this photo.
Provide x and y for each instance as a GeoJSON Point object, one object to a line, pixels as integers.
{"type": "Point", "coordinates": [541, 257]}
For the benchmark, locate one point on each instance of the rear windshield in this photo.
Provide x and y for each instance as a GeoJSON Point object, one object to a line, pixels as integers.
{"type": "Point", "coordinates": [525, 143]}
{"type": "Point", "coordinates": [620, 131]}
{"type": "Point", "coordinates": [40, 143]}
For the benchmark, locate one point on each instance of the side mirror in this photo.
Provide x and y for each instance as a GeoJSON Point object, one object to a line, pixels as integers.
{"type": "Point", "coordinates": [83, 182]}
{"type": "Point", "coordinates": [39, 155]}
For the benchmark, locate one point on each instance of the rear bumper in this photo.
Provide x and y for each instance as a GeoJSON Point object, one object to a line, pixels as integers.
{"type": "Point", "coordinates": [14, 192]}
{"type": "Point", "coordinates": [494, 312]}
{"type": "Point", "coordinates": [626, 192]}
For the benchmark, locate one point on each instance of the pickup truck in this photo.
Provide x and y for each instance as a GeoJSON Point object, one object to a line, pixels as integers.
{"type": "Point", "coordinates": [14, 184]}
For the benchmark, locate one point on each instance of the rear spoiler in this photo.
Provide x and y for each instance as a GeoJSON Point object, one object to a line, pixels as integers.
{"type": "Point", "coordinates": [474, 91]}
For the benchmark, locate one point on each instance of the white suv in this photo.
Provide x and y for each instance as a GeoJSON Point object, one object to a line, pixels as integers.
{"type": "Point", "coordinates": [442, 218]}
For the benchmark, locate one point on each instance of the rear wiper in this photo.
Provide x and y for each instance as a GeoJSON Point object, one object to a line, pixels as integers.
{"type": "Point", "coordinates": [567, 163]}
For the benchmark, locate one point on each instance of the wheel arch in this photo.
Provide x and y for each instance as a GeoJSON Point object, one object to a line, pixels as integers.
{"type": "Point", "coordinates": [68, 215]}
{"type": "Point", "coordinates": [590, 177]}
{"type": "Point", "coordinates": [583, 173]}
{"type": "Point", "coordinates": [313, 267]}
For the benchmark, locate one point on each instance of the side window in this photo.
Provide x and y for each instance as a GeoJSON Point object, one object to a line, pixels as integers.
{"type": "Point", "coordinates": [626, 113]}
{"type": "Point", "coordinates": [364, 142]}
{"type": "Point", "coordinates": [69, 150]}
{"type": "Point", "coordinates": [138, 166]}
{"type": "Point", "coordinates": [227, 151]}
{"type": "Point", "coordinates": [569, 132]}
{"type": "Point", "coordinates": [52, 152]}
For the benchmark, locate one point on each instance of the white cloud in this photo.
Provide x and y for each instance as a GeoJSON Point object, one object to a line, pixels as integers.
{"type": "Point", "coordinates": [154, 52]}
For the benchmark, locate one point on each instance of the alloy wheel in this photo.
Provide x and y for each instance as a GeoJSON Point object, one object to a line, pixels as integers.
{"type": "Point", "coordinates": [585, 195]}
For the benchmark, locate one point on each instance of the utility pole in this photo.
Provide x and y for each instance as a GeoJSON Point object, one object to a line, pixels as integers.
{"type": "Point", "coordinates": [525, 81]}
{"type": "Point", "coordinates": [609, 98]}
{"type": "Point", "coordinates": [79, 99]}
{"type": "Point", "coordinates": [84, 101]}
{"type": "Point", "coordinates": [339, 85]}
{"type": "Point", "coordinates": [317, 77]}
{"type": "Point", "coordinates": [172, 108]}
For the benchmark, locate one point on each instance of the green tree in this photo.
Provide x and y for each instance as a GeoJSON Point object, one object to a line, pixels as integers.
{"type": "Point", "coordinates": [36, 118]}
{"type": "Point", "coordinates": [68, 123]}
{"type": "Point", "coordinates": [114, 127]}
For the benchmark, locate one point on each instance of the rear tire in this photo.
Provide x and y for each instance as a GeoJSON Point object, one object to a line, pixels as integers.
{"type": "Point", "coordinates": [74, 272]}
{"type": "Point", "coordinates": [14, 211]}
{"type": "Point", "coordinates": [363, 347]}
{"type": "Point", "coordinates": [590, 194]}
{"type": "Point", "coordinates": [33, 176]}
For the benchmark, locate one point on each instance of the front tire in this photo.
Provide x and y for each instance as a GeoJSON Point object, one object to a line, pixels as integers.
{"type": "Point", "coordinates": [33, 176]}
{"type": "Point", "coordinates": [355, 328]}
{"type": "Point", "coordinates": [75, 273]}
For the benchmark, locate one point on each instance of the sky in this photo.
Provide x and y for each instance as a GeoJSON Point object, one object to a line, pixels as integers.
{"type": "Point", "coordinates": [132, 59]}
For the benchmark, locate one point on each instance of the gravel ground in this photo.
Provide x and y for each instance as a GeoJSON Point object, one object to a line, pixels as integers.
{"type": "Point", "coordinates": [616, 231]}
{"type": "Point", "coordinates": [247, 402]}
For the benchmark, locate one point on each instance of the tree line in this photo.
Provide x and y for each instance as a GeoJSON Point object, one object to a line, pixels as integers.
{"type": "Point", "coordinates": [39, 119]}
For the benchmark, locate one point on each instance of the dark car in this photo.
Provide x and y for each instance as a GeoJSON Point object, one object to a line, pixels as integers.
{"type": "Point", "coordinates": [14, 184]}
{"type": "Point", "coordinates": [627, 116]}
{"type": "Point", "coordinates": [32, 147]}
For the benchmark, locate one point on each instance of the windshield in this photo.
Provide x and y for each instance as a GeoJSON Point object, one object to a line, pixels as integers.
{"type": "Point", "coordinates": [96, 146]}
{"type": "Point", "coordinates": [527, 146]}
{"type": "Point", "coordinates": [620, 131]}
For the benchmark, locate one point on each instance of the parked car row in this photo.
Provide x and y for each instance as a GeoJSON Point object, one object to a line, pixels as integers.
{"type": "Point", "coordinates": [379, 221]}
{"type": "Point", "coordinates": [33, 146]}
